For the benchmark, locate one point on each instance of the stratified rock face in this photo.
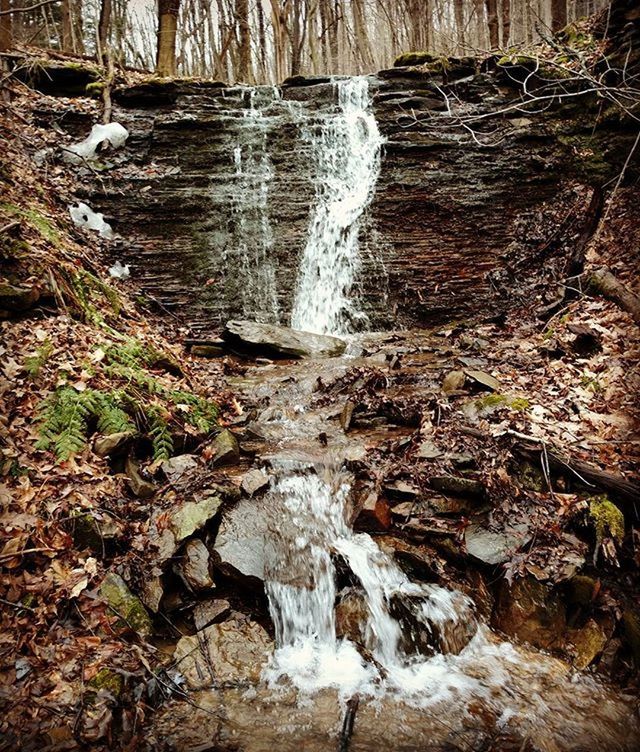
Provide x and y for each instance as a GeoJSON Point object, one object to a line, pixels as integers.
{"type": "Point", "coordinates": [213, 195]}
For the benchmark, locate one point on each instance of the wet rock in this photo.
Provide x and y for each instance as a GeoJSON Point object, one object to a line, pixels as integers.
{"type": "Point", "coordinates": [346, 415]}
{"type": "Point", "coordinates": [175, 467]}
{"type": "Point", "coordinates": [226, 449]}
{"type": "Point", "coordinates": [400, 490]}
{"type": "Point", "coordinates": [531, 611]}
{"type": "Point", "coordinates": [352, 615]}
{"type": "Point", "coordinates": [209, 611]}
{"type": "Point", "coordinates": [581, 590]}
{"type": "Point", "coordinates": [631, 622]}
{"type": "Point", "coordinates": [586, 643]}
{"type": "Point", "coordinates": [125, 604]}
{"type": "Point", "coordinates": [453, 381]}
{"type": "Point", "coordinates": [492, 547]}
{"type": "Point", "coordinates": [483, 379]}
{"type": "Point", "coordinates": [254, 481]}
{"type": "Point", "coordinates": [278, 341]}
{"type": "Point", "coordinates": [94, 530]}
{"type": "Point", "coordinates": [417, 559]}
{"type": "Point", "coordinates": [431, 623]}
{"type": "Point", "coordinates": [113, 444]}
{"type": "Point", "coordinates": [458, 486]}
{"type": "Point", "coordinates": [169, 528]}
{"type": "Point", "coordinates": [208, 351]}
{"type": "Point", "coordinates": [138, 486]}
{"type": "Point", "coordinates": [17, 298]}
{"type": "Point", "coordinates": [239, 549]}
{"type": "Point", "coordinates": [232, 652]}
{"type": "Point", "coordinates": [194, 567]}
{"type": "Point", "coordinates": [109, 680]}
{"type": "Point", "coordinates": [374, 514]}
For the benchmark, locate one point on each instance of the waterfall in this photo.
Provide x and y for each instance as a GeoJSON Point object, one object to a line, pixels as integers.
{"type": "Point", "coordinates": [312, 528]}
{"type": "Point", "coordinates": [345, 150]}
{"type": "Point", "coordinates": [252, 238]}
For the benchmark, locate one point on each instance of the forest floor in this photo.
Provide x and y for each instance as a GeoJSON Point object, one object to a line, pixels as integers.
{"type": "Point", "coordinates": [520, 409]}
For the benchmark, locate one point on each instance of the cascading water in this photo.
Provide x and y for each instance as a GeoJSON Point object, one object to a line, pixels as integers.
{"type": "Point", "coordinates": [345, 149]}
{"type": "Point", "coordinates": [252, 236]}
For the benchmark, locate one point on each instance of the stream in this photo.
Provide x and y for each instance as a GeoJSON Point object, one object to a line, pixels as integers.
{"type": "Point", "coordinates": [428, 672]}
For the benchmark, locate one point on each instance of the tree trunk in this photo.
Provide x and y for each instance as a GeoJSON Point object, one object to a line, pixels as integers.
{"type": "Point", "coordinates": [6, 26]}
{"type": "Point", "coordinates": [558, 15]}
{"type": "Point", "coordinates": [492, 23]}
{"type": "Point", "coordinates": [167, 29]}
{"type": "Point", "coordinates": [459, 15]}
{"type": "Point", "coordinates": [104, 27]}
{"type": "Point", "coordinates": [244, 57]}
{"type": "Point", "coordinates": [506, 22]}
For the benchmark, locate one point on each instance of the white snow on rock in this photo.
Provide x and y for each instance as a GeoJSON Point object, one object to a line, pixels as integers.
{"type": "Point", "coordinates": [120, 271]}
{"type": "Point", "coordinates": [83, 216]}
{"type": "Point", "coordinates": [114, 133]}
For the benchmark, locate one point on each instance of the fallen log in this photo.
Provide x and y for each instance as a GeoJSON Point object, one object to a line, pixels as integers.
{"type": "Point", "coordinates": [604, 283]}
{"type": "Point", "coordinates": [347, 723]}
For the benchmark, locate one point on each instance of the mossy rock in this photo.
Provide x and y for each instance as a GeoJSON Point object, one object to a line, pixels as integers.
{"type": "Point", "coordinates": [607, 519]}
{"type": "Point", "coordinates": [109, 680]}
{"type": "Point", "coordinates": [530, 477]}
{"type": "Point", "coordinates": [125, 604]}
{"type": "Point", "coordinates": [414, 58]}
{"type": "Point", "coordinates": [631, 622]}
{"type": "Point", "coordinates": [581, 590]}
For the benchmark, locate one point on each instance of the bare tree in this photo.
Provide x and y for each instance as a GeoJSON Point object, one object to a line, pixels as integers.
{"type": "Point", "coordinates": [6, 25]}
{"type": "Point", "coordinates": [168, 11]}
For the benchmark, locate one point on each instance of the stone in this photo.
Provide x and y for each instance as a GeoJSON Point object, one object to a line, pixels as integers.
{"type": "Point", "coordinates": [582, 589]}
{"type": "Point", "coordinates": [138, 486]}
{"type": "Point", "coordinates": [254, 481]}
{"type": "Point", "coordinates": [458, 486]}
{"type": "Point", "coordinates": [373, 514]}
{"type": "Point", "coordinates": [232, 652]}
{"type": "Point", "coordinates": [588, 642]}
{"type": "Point", "coordinates": [206, 612]}
{"type": "Point", "coordinates": [175, 467]}
{"type": "Point", "coordinates": [492, 547]}
{"type": "Point", "coordinates": [226, 448]}
{"type": "Point", "coordinates": [401, 490]}
{"type": "Point", "coordinates": [17, 298]}
{"type": "Point", "coordinates": [631, 622]}
{"type": "Point", "coordinates": [113, 444]}
{"type": "Point", "coordinates": [352, 614]}
{"type": "Point", "coordinates": [94, 530]}
{"type": "Point", "coordinates": [109, 680]}
{"type": "Point", "coordinates": [346, 416]}
{"type": "Point", "coordinates": [279, 341]}
{"type": "Point", "coordinates": [417, 559]}
{"type": "Point", "coordinates": [168, 529]}
{"type": "Point", "coordinates": [125, 604]}
{"type": "Point", "coordinates": [531, 611]}
{"type": "Point", "coordinates": [453, 381]}
{"type": "Point", "coordinates": [152, 590]}
{"type": "Point", "coordinates": [429, 451]}
{"type": "Point", "coordinates": [208, 351]}
{"type": "Point", "coordinates": [483, 379]}
{"type": "Point", "coordinates": [194, 567]}
{"type": "Point", "coordinates": [239, 548]}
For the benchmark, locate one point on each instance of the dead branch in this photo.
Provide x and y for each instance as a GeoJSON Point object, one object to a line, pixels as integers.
{"type": "Point", "coordinates": [603, 282]}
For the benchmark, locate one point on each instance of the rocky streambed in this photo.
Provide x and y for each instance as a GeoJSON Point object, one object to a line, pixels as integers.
{"type": "Point", "coordinates": [374, 538]}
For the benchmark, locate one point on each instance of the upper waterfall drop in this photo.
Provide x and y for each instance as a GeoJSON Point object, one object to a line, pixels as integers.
{"type": "Point", "coordinates": [346, 151]}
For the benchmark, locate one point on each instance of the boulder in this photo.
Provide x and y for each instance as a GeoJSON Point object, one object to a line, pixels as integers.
{"type": "Point", "coordinates": [113, 444]}
{"type": "Point", "coordinates": [175, 467]}
{"type": "Point", "coordinates": [232, 652]}
{"type": "Point", "coordinates": [352, 615]}
{"type": "Point", "coordinates": [206, 612]}
{"type": "Point", "coordinates": [138, 486]}
{"type": "Point", "coordinates": [279, 341]}
{"type": "Point", "coordinates": [586, 643]}
{"type": "Point", "coordinates": [458, 486]}
{"type": "Point", "coordinates": [254, 481]}
{"type": "Point", "coordinates": [225, 448]}
{"type": "Point", "coordinates": [194, 567]}
{"type": "Point", "coordinates": [125, 604]}
{"type": "Point", "coordinates": [17, 298]}
{"type": "Point", "coordinates": [374, 514]}
{"type": "Point", "coordinates": [239, 549]}
{"type": "Point", "coordinates": [531, 611]}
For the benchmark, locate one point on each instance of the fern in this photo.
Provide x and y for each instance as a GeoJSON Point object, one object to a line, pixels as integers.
{"type": "Point", "coordinates": [162, 441]}
{"type": "Point", "coordinates": [34, 363]}
{"type": "Point", "coordinates": [132, 354]}
{"type": "Point", "coordinates": [64, 421]}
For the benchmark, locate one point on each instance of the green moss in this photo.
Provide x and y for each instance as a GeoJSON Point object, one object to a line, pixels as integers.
{"type": "Point", "coordinates": [414, 58]}
{"type": "Point", "coordinates": [490, 401]}
{"type": "Point", "coordinates": [607, 519]}
{"type": "Point", "coordinates": [124, 604]}
{"type": "Point", "coordinates": [519, 403]}
{"type": "Point", "coordinates": [37, 221]}
{"type": "Point", "coordinates": [109, 680]}
{"type": "Point", "coordinates": [95, 88]}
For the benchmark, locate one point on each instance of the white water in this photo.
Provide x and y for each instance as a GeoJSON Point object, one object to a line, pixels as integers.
{"type": "Point", "coordinates": [253, 237]}
{"type": "Point", "coordinates": [346, 153]}
{"type": "Point", "coordinates": [312, 526]}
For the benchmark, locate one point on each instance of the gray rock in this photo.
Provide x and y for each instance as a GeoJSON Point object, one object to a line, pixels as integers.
{"type": "Point", "coordinates": [428, 451]}
{"type": "Point", "coordinates": [457, 486]}
{"type": "Point", "coordinates": [114, 443]}
{"type": "Point", "coordinates": [495, 547]}
{"type": "Point", "coordinates": [138, 486]}
{"type": "Point", "coordinates": [254, 481]}
{"type": "Point", "coordinates": [484, 379]}
{"type": "Point", "coordinates": [239, 549]}
{"type": "Point", "coordinates": [175, 467]}
{"type": "Point", "coordinates": [194, 567]}
{"type": "Point", "coordinates": [125, 604]}
{"type": "Point", "coordinates": [168, 529]}
{"type": "Point", "coordinates": [279, 341]}
{"type": "Point", "coordinates": [453, 381]}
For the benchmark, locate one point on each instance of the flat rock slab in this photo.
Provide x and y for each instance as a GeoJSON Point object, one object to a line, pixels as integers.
{"type": "Point", "coordinates": [280, 342]}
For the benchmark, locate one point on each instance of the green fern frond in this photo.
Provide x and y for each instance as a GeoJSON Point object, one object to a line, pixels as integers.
{"type": "Point", "coordinates": [161, 439]}
{"type": "Point", "coordinates": [34, 363]}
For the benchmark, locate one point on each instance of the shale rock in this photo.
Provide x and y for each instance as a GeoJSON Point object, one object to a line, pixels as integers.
{"type": "Point", "coordinates": [169, 528]}
{"type": "Point", "coordinates": [494, 547]}
{"type": "Point", "coordinates": [125, 605]}
{"type": "Point", "coordinates": [226, 449]}
{"type": "Point", "coordinates": [194, 568]}
{"type": "Point", "coordinates": [138, 486]}
{"type": "Point", "coordinates": [113, 444]}
{"type": "Point", "coordinates": [374, 514]}
{"type": "Point", "coordinates": [175, 467]}
{"type": "Point", "coordinates": [239, 549]}
{"type": "Point", "coordinates": [15, 299]}
{"type": "Point", "coordinates": [254, 481]}
{"type": "Point", "coordinates": [278, 341]}
{"type": "Point", "coordinates": [232, 652]}
{"type": "Point", "coordinates": [206, 612]}
{"type": "Point", "coordinates": [352, 615]}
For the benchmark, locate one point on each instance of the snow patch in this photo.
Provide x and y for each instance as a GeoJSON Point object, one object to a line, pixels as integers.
{"type": "Point", "coordinates": [84, 216]}
{"type": "Point", "coordinates": [114, 133]}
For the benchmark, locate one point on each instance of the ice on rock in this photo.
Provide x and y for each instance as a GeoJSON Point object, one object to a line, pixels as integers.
{"type": "Point", "coordinates": [83, 216]}
{"type": "Point", "coordinates": [120, 271]}
{"type": "Point", "coordinates": [114, 133]}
